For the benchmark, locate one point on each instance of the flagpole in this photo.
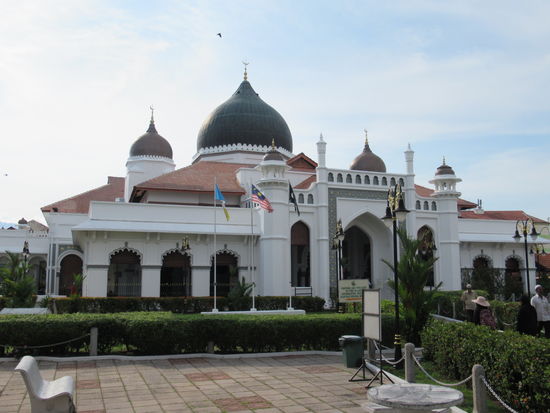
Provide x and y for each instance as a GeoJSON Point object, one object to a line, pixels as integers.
{"type": "Point", "coordinates": [252, 255]}
{"type": "Point", "coordinates": [215, 309]}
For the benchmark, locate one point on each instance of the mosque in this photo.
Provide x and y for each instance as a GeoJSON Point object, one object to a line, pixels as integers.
{"type": "Point", "coordinates": [165, 231]}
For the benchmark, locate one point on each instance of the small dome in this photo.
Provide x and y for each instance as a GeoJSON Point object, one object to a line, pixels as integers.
{"type": "Point", "coordinates": [151, 144]}
{"type": "Point", "coordinates": [368, 161]}
{"type": "Point", "coordinates": [444, 169]}
{"type": "Point", "coordinates": [273, 154]}
{"type": "Point", "coordinates": [22, 221]}
{"type": "Point", "coordinates": [244, 119]}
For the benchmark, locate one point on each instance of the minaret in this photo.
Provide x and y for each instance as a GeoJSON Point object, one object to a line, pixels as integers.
{"type": "Point", "coordinates": [275, 239]}
{"type": "Point", "coordinates": [410, 191]}
{"type": "Point", "coordinates": [150, 156]}
{"type": "Point", "coordinates": [320, 266]}
{"type": "Point", "coordinates": [448, 248]}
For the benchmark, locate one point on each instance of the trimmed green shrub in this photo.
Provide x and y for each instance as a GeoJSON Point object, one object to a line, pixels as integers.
{"type": "Point", "coordinates": [183, 305]}
{"type": "Point", "coordinates": [516, 366]}
{"type": "Point", "coordinates": [168, 333]}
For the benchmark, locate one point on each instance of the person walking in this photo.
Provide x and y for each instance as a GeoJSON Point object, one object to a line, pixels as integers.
{"type": "Point", "coordinates": [482, 314]}
{"type": "Point", "coordinates": [527, 317]}
{"type": "Point", "coordinates": [467, 298]}
{"type": "Point", "coordinates": [540, 302]}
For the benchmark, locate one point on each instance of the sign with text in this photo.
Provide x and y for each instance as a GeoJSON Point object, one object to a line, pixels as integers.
{"type": "Point", "coordinates": [350, 291]}
{"type": "Point", "coordinates": [371, 314]}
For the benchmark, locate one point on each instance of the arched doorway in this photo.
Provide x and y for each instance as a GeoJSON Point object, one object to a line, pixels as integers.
{"type": "Point", "coordinates": [124, 278]}
{"type": "Point", "coordinates": [299, 255]}
{"type": "Point", "coordinates": [356, 255]}
{"type": "Point", "coordinates": [70, 266]}
{"type": "Point", "coordinates": [227, 273]}
{"type": "Point", "coordinates": [175, 275]}
{"type": "Point", "coordinates": [426, 251]}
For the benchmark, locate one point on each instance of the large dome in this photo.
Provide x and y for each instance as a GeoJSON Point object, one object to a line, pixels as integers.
{"type": "Point", "coordinates": [151, 144]}
{"type": "Point", "coordinates": [368, 161]}
{"type": "Point", "coordinates": [244, 119]}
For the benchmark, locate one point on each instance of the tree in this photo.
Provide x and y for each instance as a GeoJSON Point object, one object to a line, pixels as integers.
{"type": "Point", "coordinates": [17, 285]}
{"type": "Point", "coordinates": [239, 296]}
{"type": "Point", "coordinates": [413, 271]}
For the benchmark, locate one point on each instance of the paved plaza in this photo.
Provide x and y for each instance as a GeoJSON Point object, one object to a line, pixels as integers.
{"type": "Point", "coordinates": [290, 384]}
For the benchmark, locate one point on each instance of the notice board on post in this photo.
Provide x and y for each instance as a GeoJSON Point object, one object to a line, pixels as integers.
{"type": "Point", "coordinates": [372, 326]}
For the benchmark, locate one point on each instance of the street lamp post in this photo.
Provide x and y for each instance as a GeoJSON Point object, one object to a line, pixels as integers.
{"type": "Point", "coordinates": [395, 211]}
{"type": "Point", "coordinates": [523, 228]}
{"type": "Point", "coordinates": [337, 246]}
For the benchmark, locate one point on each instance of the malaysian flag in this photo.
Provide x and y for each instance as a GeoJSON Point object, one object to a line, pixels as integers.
{"type": "Point", "coordinates": [260, 199]}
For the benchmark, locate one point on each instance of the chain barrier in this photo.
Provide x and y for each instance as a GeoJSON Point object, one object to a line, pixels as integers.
{"type": "Point", "coordinates": [437, 381]}
{"type": "Point", "coordinates": [496, 396]}
{"type": "Point", "coordinates": [392, 363]}
{"type": "Point", "coordinates": [46, 345]}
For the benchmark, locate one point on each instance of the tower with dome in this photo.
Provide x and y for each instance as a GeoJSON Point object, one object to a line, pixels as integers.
{"type": "Point", "coordinates": [156, 231]}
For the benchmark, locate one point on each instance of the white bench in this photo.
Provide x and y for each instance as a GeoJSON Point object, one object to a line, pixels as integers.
{"type": "Point", "coordinates": [46, 396]}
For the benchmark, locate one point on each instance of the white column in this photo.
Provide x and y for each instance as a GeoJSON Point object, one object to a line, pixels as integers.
{"type": "Point", "coordinates": [320, 274]}
{"type": "Point", "coordinates": [200, 283]}
{"type": "Point", "coordinates": [150, 281]}
{"type": "Point", "coordinates": [95, 283]}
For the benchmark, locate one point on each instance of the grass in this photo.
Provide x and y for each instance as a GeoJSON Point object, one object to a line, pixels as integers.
{"type": "Point", "coordinates": [467, 405]}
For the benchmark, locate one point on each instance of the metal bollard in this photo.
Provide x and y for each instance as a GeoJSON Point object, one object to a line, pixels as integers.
{"type": "Point", "coordinates": [478, 390]}
{"type": "Point", "coordinates": [409, 363]}
{"type": "Point", "coordinates": [454, 310]}
{"type": "Point", "coordinates": [93, 341]}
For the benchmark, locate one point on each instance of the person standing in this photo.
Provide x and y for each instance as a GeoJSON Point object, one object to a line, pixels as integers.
{"type": "Point", "coordinates": [483, 316]}
{"type": "Point", "coordinates": [540, 302]}
{"type": "Point", "coordinates": [469, 306]}
{"type": "Point", "coordinates": [527, 317]}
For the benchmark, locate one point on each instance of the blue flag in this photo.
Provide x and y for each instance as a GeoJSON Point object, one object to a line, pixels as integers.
{"type": "Point", "coordinates": [219, 197]}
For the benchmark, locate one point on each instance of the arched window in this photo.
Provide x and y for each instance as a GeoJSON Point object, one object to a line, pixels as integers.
{"type": "Point", "coordinates": [392, 182]}
{"type": "Point", "coordinates": [227, 273]}
{"type": "Point", "coordinates": [384, 181]}
{"type": "Point", "coordinates": [330, 177]}
{"type": "Point", "coordinates": [513, 283]}
{"type": "Point", "coordinates": [124, 276]}
{"type": "Point", "coordinates": [300, 198]}
{"type": "Point", "coordinates": [348, 179]}
{"type": "Point", "coordinates": [299, 255]}
{"type": "Point", "coordinates": [367, 180]}
{"type": "Point", "coordinates": [310, 199]}
{"type": "Point", "coordinates": [426, 206]}
{"type": "Point", "coordinates": [375, 181]}
{"type": "Point", "coordinates": [401, 182]}
{"type": "Point", "coordinates": [175, 275]}
{"type": "Point", "coordinates": [339, 178]}
{"type": "Point", "coordinates": [434, 206]}
{"type": "Point", "coordinates": [357, 179]}
{"type": "Point", "coordinates": [70, 266]}
{"type": "Point", "coordinates": [418, 206]}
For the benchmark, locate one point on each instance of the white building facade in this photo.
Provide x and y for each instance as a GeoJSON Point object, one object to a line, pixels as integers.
{"type": "Point", "coordinates": [155, 232]}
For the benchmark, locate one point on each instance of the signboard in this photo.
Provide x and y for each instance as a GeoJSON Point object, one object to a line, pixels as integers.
{"type": "Point", "coordinates": [349, 291]}
{"type": "Point", "coordinates": [371, 315]}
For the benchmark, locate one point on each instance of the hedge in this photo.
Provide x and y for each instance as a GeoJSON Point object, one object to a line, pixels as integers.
{"type": "Point", "coordinates": [516, 366]}
{"type": "Point", "coordinates": [183, 305]}
{"type": "Point", "coordinates": [168, 333]}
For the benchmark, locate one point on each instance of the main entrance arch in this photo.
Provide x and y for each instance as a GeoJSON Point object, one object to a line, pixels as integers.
{"type": "Point", "coordinates": [70, 266]}
{"type": "Point", "coordinates": [227, 273]}
{"type": "Point", "coordinates": [124, 277]}
{"type": "Point", "coordinates": [175, 275]}
{"type": "Point", "coordinates": [299, 255]}
{"type": "Point", "coordinates": [356, 255]}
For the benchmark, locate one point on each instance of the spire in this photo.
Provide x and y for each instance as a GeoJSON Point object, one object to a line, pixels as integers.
{"type": "Point", "coordinates": [367, 147]}
{"type": "Point", "coordinates": [443, 160]}
{"type": "Point", "coordinates": [152, 123]}
{"type": "Point", "coordinates": [273, 144]}
{"type": "Point", "coordinates": [245, 73]}
{"type": "Point", "coordinates": [321, 138]}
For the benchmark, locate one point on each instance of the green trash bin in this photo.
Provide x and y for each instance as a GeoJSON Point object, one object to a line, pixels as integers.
{"type": "Point", "coordinates": [352, 350]}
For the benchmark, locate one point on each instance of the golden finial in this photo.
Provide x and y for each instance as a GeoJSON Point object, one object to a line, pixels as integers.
{"type": "Point", "coordinates": [245, 74]}
{"type": "Point", "coordinates": [152, 113]}
{"type": "Point", "coordinates": [273, 144]}
{"type": "Point", "coordinates": [366, 137]}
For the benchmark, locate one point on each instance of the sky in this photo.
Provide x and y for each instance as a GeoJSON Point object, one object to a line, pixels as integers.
{"type": "Point", "coordinates": [468, 81]}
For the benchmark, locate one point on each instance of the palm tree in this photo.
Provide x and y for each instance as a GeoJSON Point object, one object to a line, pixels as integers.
{"type": "Point", "coordinates": [413, 271]}
{"type": "Point", "coordinates": [16, 284]}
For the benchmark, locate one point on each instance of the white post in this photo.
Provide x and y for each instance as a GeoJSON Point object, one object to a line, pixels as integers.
{"type": "Point", "coordinates": [215, 309]}
{"type": "Point", "coordinates": [93, 341]}
{"type": "Point", "coordinates": [478, 390]}
{"type": "Point", "coordinates": [252, 255]}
